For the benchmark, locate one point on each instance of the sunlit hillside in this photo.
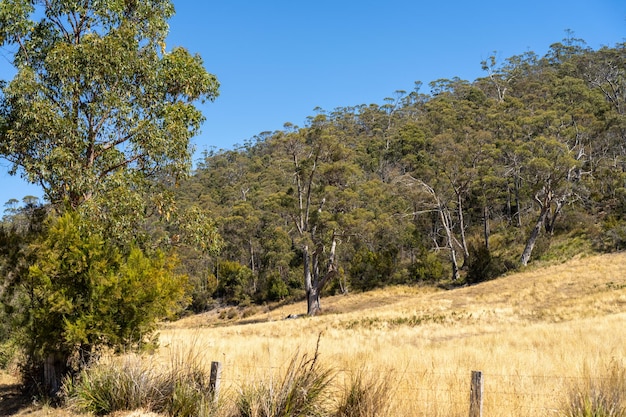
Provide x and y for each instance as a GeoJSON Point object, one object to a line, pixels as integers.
{"type": "Point", "coordinates": [535, 335]}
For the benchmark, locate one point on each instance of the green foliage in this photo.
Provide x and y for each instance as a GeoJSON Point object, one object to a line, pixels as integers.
{"type": "Point", "coordinates": [202, 293]}
{"type": "Point", "coordinates": [276, 288]}
{"type": "Point", "coordinates": [82, 294]}
{"type": "Point", "coordinates": [100, 115]}
{"type": "Point", "coordinates": [613, 234]}
{"type": "Point", "coordinates": [99, 98]}
{"type": "Point", "coordinates": [427, 267]}
{"type": "Point", "coordinates": [235, 282]}
{"type": "Point", "coordinates": [370, 269]}
{"type": "Point", "coordinates": [528, 161]}
{"type": "Point", "coordinates": [483, 265]}
{"type": "Point", "coordinates": [8, 353]}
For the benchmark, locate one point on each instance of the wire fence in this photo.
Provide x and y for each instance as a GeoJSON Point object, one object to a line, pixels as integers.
{"type": "Point", "coordinates": [432, 393]}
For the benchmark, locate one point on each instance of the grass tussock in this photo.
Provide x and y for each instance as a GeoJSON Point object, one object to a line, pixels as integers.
{"type": "Point", "coordinates": [598, 396]}
{"type": "Point", "coordinates": [301, 391]}
{"type": "Point", "coordinates": [133, 382]}
{"type": "Point", "coordinates": [367, 394]}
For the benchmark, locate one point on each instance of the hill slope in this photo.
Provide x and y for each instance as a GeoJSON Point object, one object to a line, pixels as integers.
{"type": "Point", "coordinates": [533, 334]}
{"type": "Point", "coordinates": [580, 288]}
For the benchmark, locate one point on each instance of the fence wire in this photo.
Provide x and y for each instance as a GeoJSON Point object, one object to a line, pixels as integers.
{"type": "Point", "coordinates": [430, 393]}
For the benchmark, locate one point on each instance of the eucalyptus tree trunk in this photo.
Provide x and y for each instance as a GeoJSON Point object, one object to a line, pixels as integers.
{"type": "Point", "coordinates": [462, 230]}
{"type": "Point", "coordinates": [486, 229]}
{"type": "Point", "coordinates": [314, 281]}
{"type": "Point", "coordinates": [54, 370]}
{"type": "Point", "coordinates": [446, 222]}
{"type": "Point", "coordinates": [447, 225]}
{"type": "Point", "coordinates": [534, 234]}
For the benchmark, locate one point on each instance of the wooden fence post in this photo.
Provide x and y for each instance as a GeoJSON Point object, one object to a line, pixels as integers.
{"type": "Point", "coordinates": [476, 395]}
{"type": "Point", "coordinates": [215, 379]}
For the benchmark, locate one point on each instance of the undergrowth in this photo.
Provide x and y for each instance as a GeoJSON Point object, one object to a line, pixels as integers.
{"type": "Point", "coordinates": [301, 391]}
{"type": "Point", "coordinates": [598, 396]}
{"type": "Point", "coordinates": [134, 382]}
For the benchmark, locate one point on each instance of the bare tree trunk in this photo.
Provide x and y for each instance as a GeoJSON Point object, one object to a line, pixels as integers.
{"type": "Point", "coordinates": [313, 302]}
{"type": "Point", "coordinates": [314, 284]}
{"type": "Point", "coordinates": [253, 267]}
{"type": "Point", "coordinates": [530, 244]}
{"type": "Point", "coordinates": [552, 216]}
{"type": "Point", "coordinates": [486, 230]}
{"type": "Point", "coordinates": [308, 281]}
{"type": "Point", "coordinates": [311, 279]}
{"type": "Point", "coordinates": [513, 211]}
{"type": "Point", "coordinates": [518, 207]}
{"type": "Point", "coordinates": [54, 369]}
{"type": "Point", "coordinates": [446, 222]}
{"type": "Point", "coordinates": [462, 227]}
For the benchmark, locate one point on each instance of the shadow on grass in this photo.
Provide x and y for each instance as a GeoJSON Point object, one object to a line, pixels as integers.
{"type": "Point", "coordinates": [13, 399]}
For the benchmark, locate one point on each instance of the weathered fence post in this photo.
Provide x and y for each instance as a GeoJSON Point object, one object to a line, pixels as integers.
{"type": "Point", "coordinates": [476, 395]}
{"type": "Point", "coordinates": [215, 379]}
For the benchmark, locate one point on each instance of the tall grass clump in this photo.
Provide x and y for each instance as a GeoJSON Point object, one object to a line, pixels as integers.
{"type": "Point", "coordinates": [303, 390]}
{"type": "Point", "coordinates": [133, 382]}
{"type": "Point", "coordinates": [112, 385]}
{"type": "Point", "coordinates": [366, 395]}
{"type": "Point", "coordinates": [603, 396]}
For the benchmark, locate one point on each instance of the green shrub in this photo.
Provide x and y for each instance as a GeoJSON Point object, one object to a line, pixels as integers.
{"type": "Point", "coordinates": [277, 289]}
{"type": "Point", "coordinates": [235, 282]}
{"type": "Point", "coordinates": [202, 293]}
{"type": "Point", "coordinates": [8, 352]}
{"type": "Point", "coordinates": [427, 267]}
{"type": "Point", "coordinates": [612, 236]}
{"type": "Point", "coordinates": [88, 294]}
{"type": "Point", "coordinates": [370, 269]}
{"type": "Point", "coordinates": [482, 265]}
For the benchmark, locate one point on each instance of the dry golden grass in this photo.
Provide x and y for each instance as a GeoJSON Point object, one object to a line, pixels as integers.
{"type": "Point", "coordinates": [533, 334]}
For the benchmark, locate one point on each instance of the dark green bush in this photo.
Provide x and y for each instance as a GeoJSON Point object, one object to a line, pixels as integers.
{"type": "Point", "coordinates": [235, 282]}
{"type": "Point", "coordinates": [277, 289]}
{"type": "Point", "coordinates": [482, 265]}
{"type": "Point", "coordinates": [427, 267]}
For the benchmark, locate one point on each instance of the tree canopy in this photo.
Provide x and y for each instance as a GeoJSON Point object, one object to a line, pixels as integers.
{"type": "Point", "coordinates": [100, 114]}
{"type": "Point", "coordinates": [96, 94]}
{"type": "Point", "coordinates": [462, 184]}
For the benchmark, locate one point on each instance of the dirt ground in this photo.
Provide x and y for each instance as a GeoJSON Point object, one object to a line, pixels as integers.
{"type": "Point", "coordinates": [12, 401]}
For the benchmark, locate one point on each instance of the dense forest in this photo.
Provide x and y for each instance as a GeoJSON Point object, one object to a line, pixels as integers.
{"type": "Point", "coordinates": [459, 185]}
{"type": "Point", "coordinates": [464, 184]}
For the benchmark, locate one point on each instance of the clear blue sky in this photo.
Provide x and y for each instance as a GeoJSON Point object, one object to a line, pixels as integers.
{"type": "Point", "coordinates": [277, 60]}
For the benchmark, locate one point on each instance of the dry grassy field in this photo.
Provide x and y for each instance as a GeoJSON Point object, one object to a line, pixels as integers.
{"type": "Point", "coordinates": [534, 335]}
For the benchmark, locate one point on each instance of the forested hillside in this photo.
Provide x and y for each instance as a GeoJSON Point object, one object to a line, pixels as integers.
{"type": "Point", "coordinates": [461, 184]}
